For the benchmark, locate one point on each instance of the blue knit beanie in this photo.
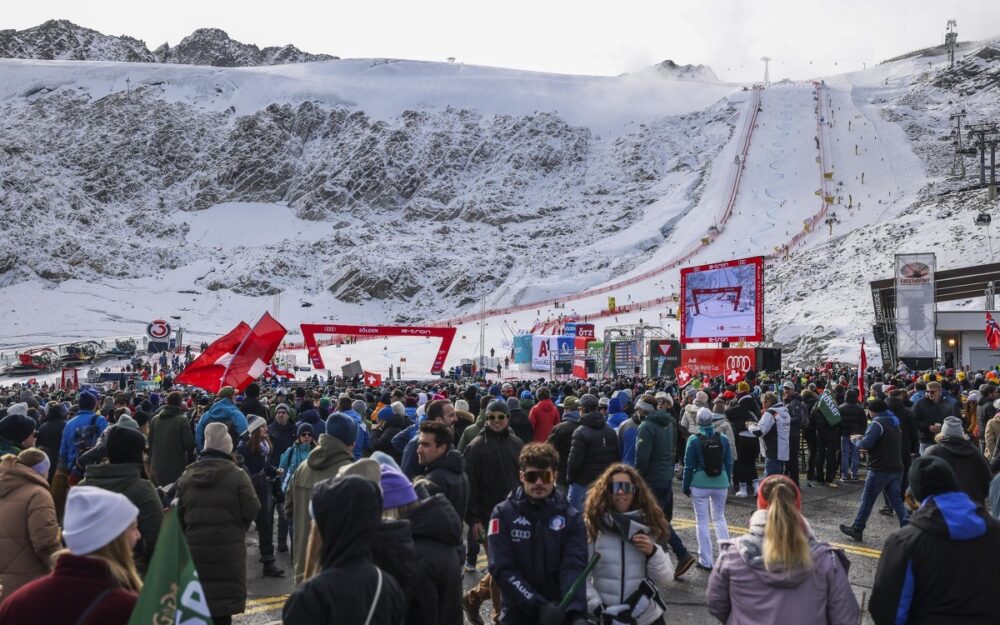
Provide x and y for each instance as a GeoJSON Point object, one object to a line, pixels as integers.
{"type": "Point", "coordinates": [342, 427]}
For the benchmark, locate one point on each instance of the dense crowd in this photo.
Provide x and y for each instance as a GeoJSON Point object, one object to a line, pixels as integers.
{"type": "Point", "coordinates": [385, 497]}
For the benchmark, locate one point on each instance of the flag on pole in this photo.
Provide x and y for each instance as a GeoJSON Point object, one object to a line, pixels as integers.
{"type": "Point", "coordinates": [373, 379]}
{"type": "Point", "coordinates": [171, 592]}
{"type": "Point", "coordinates": [862, 367]}
{"type": "Point", "coordinates": [992, 332]}
{"type": "Point", "coordinates": [250, 359]}
{"type": "Point", "coordinates": [683, 375]}
{"type": "Point", "coordinates": [828, 406]}
{"type": "Point", "coordinates": [206, 370]}
{"type": "Point", "coordinates": [734, 376]}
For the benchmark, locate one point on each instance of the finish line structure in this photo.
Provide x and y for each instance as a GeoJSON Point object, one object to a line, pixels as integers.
{"type": "Point", "coordinates": [311, 330]}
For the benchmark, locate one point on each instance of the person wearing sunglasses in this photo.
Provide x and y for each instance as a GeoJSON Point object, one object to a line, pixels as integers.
{"type": "Point", "coordinates": [627, 528]}
{"type": "Point", "coordinates": [296, 453]}
{"type": "Point", "coordinates": [930, 412]}
{"type": "Point", "coordinates": [538, 547]}
{"type": "Point", "coordinates": [491, 464]}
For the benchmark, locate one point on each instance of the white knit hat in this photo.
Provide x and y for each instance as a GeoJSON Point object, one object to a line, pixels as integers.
{"type": "Point", "coordinates": [255, 422]}
{"type": "Point", "coordinates": [95, 517]}
{"type": "Point", "coordinates": [217, 437]}
{"type": "Point", "coordinates": [704, 416]}
{"type": "Point", "coordinates": [952, 427]}
{"type": "Point", "coordinates": [18, 409]}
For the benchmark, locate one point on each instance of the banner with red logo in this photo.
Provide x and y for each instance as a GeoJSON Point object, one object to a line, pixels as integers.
{"type": "Point", "coordinates": [716, 362]}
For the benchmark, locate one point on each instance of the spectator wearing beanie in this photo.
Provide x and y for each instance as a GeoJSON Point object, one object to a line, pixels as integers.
{"type": "Point", "coordinates": [171, 442]}
{"type": "Point", "coordinates": [941, 568]}
{"type": "Point", "coordinates": [216, 504]}
{"type": "Point", "coordinates": [336, 449]}
{"type": "Point", "coordinates": [97, 573]}
{"type": "Point", "coordinates": [393, 548]}
{"type": "Point", "coordinates": [124, 474]}
{"type": "Point", "coordinates": [50, 432]}
{"type": "Point", "coordinates": [28, 518]}
{"type": "Point", "coordinates": [390, 423]}
{"type": "Point", "coordinates": [964, 458]}
{"type": "Point", "coordinates": [17, 431]}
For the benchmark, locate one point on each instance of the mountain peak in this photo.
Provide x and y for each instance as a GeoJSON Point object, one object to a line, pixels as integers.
{"type": "Point", "coordinates": [670, 69]}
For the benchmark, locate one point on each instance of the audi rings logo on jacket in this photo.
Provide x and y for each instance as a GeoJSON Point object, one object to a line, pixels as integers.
{"type": "Point", "coordinates": [741, 363]}
{"type": "Point", "coordinates": [519, 535]}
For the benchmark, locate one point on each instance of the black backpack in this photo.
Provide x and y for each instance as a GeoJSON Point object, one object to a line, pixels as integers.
{"type": "Point", "coordinates": [84, 438]}
{"type": "Point", "coordinates": [711, 452]}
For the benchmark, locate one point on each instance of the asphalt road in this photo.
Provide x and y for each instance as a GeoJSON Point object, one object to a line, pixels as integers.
{"type": "Point", "coordinates": [825, 508]}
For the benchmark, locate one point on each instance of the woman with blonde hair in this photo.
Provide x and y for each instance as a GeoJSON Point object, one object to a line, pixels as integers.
{"type": "Point", "coordinates": [95, 582]}
{"type": "Point", "coordinates": [626, 526]}
{"type": "Point", "coordinates": [779, 573]}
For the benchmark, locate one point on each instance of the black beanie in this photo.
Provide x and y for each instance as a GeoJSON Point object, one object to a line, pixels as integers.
{"type": "Point", "coordinates": [125, 445]}
{"type": "Point", "coordinates": [930, 475]}
{"type": "Point", "coordinates": [87, 401]}
{"type": "Point", "coordinates": [877, 405]}
{"type": "Point", "coordinates": [253, 390]}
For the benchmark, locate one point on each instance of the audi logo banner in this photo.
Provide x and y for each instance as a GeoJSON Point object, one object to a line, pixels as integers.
{"type": "Point", "coordinates": [715, 362]}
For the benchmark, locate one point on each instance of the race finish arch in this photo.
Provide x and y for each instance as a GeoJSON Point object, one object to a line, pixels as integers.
{"type": "Point", "coordinates": [310, 330]}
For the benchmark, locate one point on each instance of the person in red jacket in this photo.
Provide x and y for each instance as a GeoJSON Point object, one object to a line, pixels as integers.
{"type": "Point", "coordinates": [95, 582]}
{"type": "Point", "coordinates": [543, 416]}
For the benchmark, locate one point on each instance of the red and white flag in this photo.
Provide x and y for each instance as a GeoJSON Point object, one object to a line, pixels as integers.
{"type": "Point", "coordinates": [862, 367]}
{"type": "Point", "coordinates": [273, 371]}
{"type": "Point", "coordinates": [373, 379]}
{"type": "Point", "coordinates": [250, 359]}
{"type": "Point", "coordinates": [734, 376]}
{"type": "Point", "coordinates": [992, 332]}
{"type": "Point", "coordinates": [207, 369]}
{"type": "Point", "coordinates": [683, 375]}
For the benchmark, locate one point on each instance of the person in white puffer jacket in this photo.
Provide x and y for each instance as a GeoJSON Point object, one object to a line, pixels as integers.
{"type": "Point", "coordinates": [627, 528]}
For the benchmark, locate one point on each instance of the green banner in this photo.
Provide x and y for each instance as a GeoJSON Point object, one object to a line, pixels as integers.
{"type": "Point", "coordinates": [171, 592]}
{"type": "Point", "coordinates": [828, 406]}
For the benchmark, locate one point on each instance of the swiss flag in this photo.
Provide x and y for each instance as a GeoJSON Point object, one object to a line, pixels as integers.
{"type": "Point", "coordinates": [683, 375]}
{"type": "Point", "coordinates": [373, 379]}
{"type": "Point", "coordinates": [273, 370]}
{"type": "Point", "coordinates": [734, 376]}
{"type": "Point", "coordinates": [250, 359]}
{"type": "Point", "coordinates": [206, 371]}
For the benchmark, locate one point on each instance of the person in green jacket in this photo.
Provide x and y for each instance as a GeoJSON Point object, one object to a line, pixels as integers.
{"type": "Point", "coordinates": [124, 474]}
{"type": "Point", "coordinates": [473, 430]}
{"type": "Point", "coordinates": [171, 442]}
{"type": "Point", "coordinates": [654, 460]}
{"type": "Point", "coordinates": [336, 449]}
{"type": "Point", "coordinates": [706, 487]}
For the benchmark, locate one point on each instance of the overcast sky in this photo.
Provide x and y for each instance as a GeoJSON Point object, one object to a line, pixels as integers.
{"type": "Point", "coordinates": [805, 38]}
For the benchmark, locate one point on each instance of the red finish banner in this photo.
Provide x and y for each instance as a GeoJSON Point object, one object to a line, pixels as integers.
{"type": "Point", "coordinates": [716, 362]}
{"type": "Point", "coordinates": [310, 330]}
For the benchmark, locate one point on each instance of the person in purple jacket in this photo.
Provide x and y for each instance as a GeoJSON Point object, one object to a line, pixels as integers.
{"type": "Point", "coordinates": [779, 572]}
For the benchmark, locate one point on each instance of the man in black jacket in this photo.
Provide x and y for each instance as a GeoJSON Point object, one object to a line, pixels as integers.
{"type": "Point", "coordinates": [941, 568]}
{"type": "Point", "coordinates": [853, 423]}
{"type": "Point", "coordinates": [964, 458]}
{"type": "Point", "coordinates": [594, 447]}
{"type": "Point", "coordinates": [798, 416]}
{"type": "Point", "coordinates": [882, 441]}
{"type": "Point", "coordinates": [561, 436]}
{"type": "Point", "coordinates": [908, 440]}
{"type": "Point", "coordinates": [251, 403]}
{"type": "Point", "coordinates": [443, 467]}
{"type": "Point", "coordinates": [436, 598]}
{"type": "Point", "coordinates": [538, 546]}
{"type": "Point", "coordinates": [491, 465]}
{"type": "Point", "coordinates": [929, 413]}
{"type": "Point", "coordinates": [827, 445]}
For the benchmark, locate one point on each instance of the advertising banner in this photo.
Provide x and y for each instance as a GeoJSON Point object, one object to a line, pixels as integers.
{"type": "Point", "coordinates": [585, 330]}
{"type": "Point", "coordinates": [664, 357]}
{"type": "Point", "coordinates": [522, 349]}
{"type": "Point", "coordinates": [716, 362]}
{"type": "Point", "coordinates": [723, 302]}
{"type": "Point", "coordinates": [915, 318]}
{"type": "Point", "coordinates": [569, 328]}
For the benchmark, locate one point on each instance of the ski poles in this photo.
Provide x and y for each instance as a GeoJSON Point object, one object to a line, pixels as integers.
{"type": "Point", "coordinates": [579, 581]}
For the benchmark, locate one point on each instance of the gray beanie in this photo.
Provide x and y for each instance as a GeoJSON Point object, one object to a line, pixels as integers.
{"type": "Point", "coordinates": [360, 407]}
{"type": "Point", "coordinates": [952, 428]}
{"type": "Point", "coordinates": [513, 403]}
{"type": "Point", "coordinates": [498, 405]}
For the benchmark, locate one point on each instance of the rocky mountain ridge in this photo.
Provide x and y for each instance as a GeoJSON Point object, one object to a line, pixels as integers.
{"type": "Point", "coordinates": [64, 40]}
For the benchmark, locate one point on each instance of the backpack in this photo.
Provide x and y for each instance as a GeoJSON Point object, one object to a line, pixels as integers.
{"type": "Point", "coordinates": [84, 438]}
{"type": "Point", "coordinates": [798, 409]}
{"type": "Point", "coordinates": [711, 452]}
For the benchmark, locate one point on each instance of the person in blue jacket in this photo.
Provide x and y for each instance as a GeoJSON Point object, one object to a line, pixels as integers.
{"type": "Point", "coordinates": [538, 546]}
{"type": "Point", "coordinates": [224, 411]}
{"type": "Point", "coordinates": [438, 410]}
{"type": "Point", "coordinates": [616, 411]}
{"type": "Point", "coordinates": [76, 431]}
{"type": "Point", "coordinates": [347, 406]}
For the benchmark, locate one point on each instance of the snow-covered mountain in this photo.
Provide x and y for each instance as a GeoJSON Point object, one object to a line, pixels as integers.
{"type": "Point", "coordinates": [65, 41]}
{"type": "Point", "coordinates": [375, 190]}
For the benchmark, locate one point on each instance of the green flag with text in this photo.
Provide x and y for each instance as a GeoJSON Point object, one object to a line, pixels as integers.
{"type": "Point", "coordinates": [828, 406]}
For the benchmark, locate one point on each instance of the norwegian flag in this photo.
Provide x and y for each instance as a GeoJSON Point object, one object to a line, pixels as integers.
{"type": "Point", "coordinates": [373, 379]}
{"type": "Point", "coordinates": [992, 332]}
{"type": "Point", "coordinates": [683, 375]}
{"type": "Point", "coordinates": [862, 367]}
{"type": "Point", "coordinates": [206, 371]}
{"type": "Point", "coordinates": [734, 376]}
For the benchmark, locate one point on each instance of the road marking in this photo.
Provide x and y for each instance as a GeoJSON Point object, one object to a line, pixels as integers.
{"type": "Point", "coordinates": [867, 552]}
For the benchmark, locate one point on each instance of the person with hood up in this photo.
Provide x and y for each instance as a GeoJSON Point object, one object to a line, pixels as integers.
{"type": "Point", "coordinates": [544, 416]}
{"type": "Point", "coordinates": [519, 421]}
{"type": "Point", "coordinates": [626, 527]}
{"type": "Point", "coordinates": [774, 431]}
{"type": "Point", "coordinates": [171, 442]}
{"type": "Point", "coordinates": [964, 458]}
{"type": "Point", "coordinates": [336, 449]}
{"type": "Point", "coordinates": [125, 474]}
{"type": "Point", "coordinates": [354, 409]}
{"type": "Point", "coordinates": [723, 427]}
{"type": "Point", "coordinates": [941, 568]}
{"type": "Point", "coordinates": [742, 414]}
{"type": "Point", "coordinates": [223, 411]}
{"type": "Point", "coordinates": [708, 465]}
{"type": "Point", "coordinates": [883, 442]}
{"type": "Point", "coordinates": [689, 416]}
{"type": "Point", "coordinates": [28, 517]}
{"type": "Point", "coordinates": [561, 437]}
{"type": "Point", "coordinates": [616, 411]}
{"type": "Point", "coordinates": [216, 504]}
{"type": "Point", "coordinates": [94, 581]}
{"type": "Point", "coordinates": [593, 448]}
{"type": "Point", "coordinates": [779, 573]}
{"type": "Point", "coordinates": [527, 401]}
{"type": "Point", "coordinates": [654, 460]}
{"type": "Point", "coordinates": [348, 589]}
